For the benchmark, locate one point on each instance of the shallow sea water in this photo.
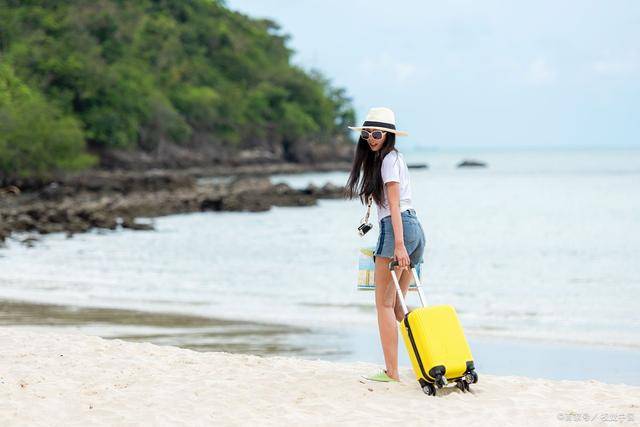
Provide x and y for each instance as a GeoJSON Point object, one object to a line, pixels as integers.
{"type": "Point", "coordinates": [542, 246]}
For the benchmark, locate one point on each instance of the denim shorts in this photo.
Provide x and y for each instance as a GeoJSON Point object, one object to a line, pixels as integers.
{"type": "Point", "coordinates": [414, 240]}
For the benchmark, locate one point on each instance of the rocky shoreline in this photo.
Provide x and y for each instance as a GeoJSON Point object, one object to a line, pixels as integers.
{"type": "Point", "coordinates": [113, 199]}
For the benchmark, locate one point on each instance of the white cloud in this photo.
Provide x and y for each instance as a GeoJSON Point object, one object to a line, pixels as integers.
{"type": "Point", "coordinates": [540, 72]}
{"type": "Point", "coordinates": [613, 68]}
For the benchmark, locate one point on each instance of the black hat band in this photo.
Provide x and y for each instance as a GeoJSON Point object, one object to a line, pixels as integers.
{"type": "Point", "coordinates": [378, 124]}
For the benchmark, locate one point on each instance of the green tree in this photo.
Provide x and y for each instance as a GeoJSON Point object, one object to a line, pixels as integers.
{"type": "Point", "coordinates": [35, 137]}
{"type": "Point", "coordinates": [138, 74]}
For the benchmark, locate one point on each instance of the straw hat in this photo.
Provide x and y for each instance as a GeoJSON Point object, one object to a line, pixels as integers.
{"type": "Point", "coordinates": [381, 118]}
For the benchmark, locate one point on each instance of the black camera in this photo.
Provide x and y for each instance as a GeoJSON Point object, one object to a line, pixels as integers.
{"type": "Point", "coordinates": [364, 228]}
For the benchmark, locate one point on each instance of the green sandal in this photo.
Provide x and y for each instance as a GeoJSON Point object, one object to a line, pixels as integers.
{"type": "Point", "coordinates": [380, 376]}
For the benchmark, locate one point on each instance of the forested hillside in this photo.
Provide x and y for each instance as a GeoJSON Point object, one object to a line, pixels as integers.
{"type": "Point", "coordinates": [155, 83]}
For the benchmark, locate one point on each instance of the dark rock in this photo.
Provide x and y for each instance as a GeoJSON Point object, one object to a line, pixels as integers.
{"type": "Point", "coordinates": [53, 191]}
{"type": "Point", "coordinates": [103, 220]}
{"type": "Point", "coordinates": [327, 191]}
{"type": "Point", "coordinates": [240, 185]}
{"type": "Point", "coordinates": [166, 155]}
{"type": "Point", "coordinates": [36, 212]}
{"type": "Point", "coordinates": [131, 223]}
{"type": "Point", "coordinates": [77, 225]}
{"type": "Point", "coordinates": [23, 222]}
{"type": "Point", "coordinates": [311, 189]}
{"type": "Point", "coordinates": [282, 189]}
{"type": "Point", "coordinates": [4, 233]}
{"type": "Point", "coordinates": [248, 201]}
{"type": "Point", "coordinates": [50, 227]}
{"type": "Point", "coordinates": [10, 190]}
{"type": "Point", "coordinates": [211, 205]}
{"type": "Point", "coordinates": [256, 156]}
{"type": "Point", "coordinates": [472, 164]}
{"type": "Point", "coordinates": [30, 240]}
{"type": "Point", "coordinates": [418, 166]}
{"type": "Point", "coordinates": [331, 191]}
{"type": "Point", "coordinates": [105, 200]}
{"type": "Point", "coordinates": [56, 215]}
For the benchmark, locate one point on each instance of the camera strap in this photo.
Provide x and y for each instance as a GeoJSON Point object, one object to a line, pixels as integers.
{"type": "Point", "coordinates": [365, 220]}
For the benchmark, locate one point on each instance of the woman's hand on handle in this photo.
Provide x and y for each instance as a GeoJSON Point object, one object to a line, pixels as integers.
{"type": "Point", "coordinates": [401, 255]}
{"type": "Point", "coordinates": [400, 252]}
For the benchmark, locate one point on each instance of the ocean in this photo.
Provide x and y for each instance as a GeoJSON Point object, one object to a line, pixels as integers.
{"type": "Point", "coordinates": [539, 253]}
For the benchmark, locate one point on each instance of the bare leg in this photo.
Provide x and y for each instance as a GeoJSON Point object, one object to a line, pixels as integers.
{"type": "Point", "coordinates": [385, 301]}
{"type": "Point", "coordinates": [404, 279]}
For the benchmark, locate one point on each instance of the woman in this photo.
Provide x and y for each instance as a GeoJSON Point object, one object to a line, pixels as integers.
{"type": "Point", "coordinates": [379, 172]}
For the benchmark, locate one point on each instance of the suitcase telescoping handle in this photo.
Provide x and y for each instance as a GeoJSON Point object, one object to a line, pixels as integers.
{"type": "Point", "coordinates": [405, 310]}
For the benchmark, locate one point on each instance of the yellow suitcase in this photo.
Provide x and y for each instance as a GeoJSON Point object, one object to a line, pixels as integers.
{"type": "Point", "coordinates": [436, 343]}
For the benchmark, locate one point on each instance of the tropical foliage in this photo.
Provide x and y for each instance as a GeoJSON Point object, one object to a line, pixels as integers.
{"type": "Point", "coordinates": [134, 74]}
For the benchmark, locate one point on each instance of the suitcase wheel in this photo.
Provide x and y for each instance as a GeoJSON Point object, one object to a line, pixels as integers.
{"type": "Point", "coordinates": [428, 389]}
{"type": "Point", "coordinates": [471, 377]}
{"type": "Point", "coordinates": [463, 385]}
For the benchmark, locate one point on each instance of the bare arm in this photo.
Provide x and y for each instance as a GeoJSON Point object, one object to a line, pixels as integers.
{"type": "Point", "coordinates": [400, 252]}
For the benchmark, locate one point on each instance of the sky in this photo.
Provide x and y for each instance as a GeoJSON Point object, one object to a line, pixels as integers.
{"type": "Point", "coordinates": [477, 73]}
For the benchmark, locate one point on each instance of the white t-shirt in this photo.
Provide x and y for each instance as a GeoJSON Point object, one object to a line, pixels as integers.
{"type": "Point", "coordinates": [395, 169]}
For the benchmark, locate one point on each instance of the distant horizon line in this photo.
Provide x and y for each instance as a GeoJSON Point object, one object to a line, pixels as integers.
{"type": "Point", "coordinates": [514, 148]}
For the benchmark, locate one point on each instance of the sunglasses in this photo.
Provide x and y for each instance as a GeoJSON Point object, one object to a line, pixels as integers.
{"type": "Point", "coordinates": [376, 134]}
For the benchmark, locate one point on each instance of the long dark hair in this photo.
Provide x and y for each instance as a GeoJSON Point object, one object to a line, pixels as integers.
{"type": "Point", "coordinates": [365, 179]}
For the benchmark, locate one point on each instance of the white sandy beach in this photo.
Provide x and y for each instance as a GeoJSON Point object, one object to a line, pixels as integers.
{"type": "Point", "coordinates": [70, 379]}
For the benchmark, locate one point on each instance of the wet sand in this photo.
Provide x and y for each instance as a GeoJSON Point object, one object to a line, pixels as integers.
{"type": "Point", "coordinates": [186, 331]}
